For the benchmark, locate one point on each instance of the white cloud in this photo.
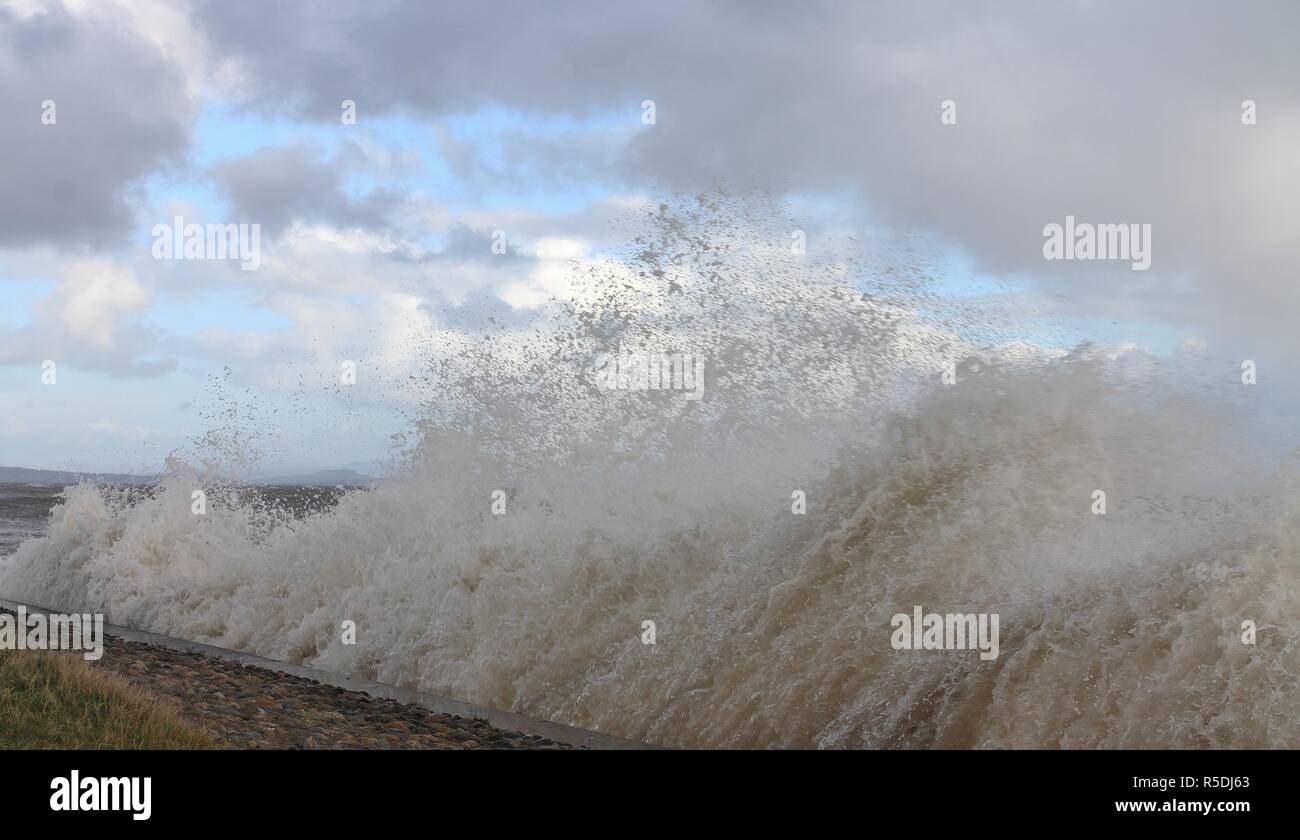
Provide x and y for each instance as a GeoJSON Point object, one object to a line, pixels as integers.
{"type": "Point", "coordinates": [91, 300]}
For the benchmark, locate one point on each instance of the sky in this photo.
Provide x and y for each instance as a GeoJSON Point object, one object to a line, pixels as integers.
{"type": "Point", "coordinates": [973, 125]}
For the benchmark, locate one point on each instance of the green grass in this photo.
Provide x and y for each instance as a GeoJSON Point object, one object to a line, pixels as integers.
{"type": "Point", "coordinates": [52, 700]}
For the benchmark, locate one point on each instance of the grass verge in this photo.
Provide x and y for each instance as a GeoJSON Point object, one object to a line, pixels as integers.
{"type": "Point", "coordinates": [57, 700]}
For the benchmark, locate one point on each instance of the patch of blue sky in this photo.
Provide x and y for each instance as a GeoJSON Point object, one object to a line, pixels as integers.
{"type": "Point", "coordinates": [500, 175]}
{"type": "Point", "coordinates": [499, 138]}
{"type": "Point", "coordinates": [130, 400]}
{"type": "Point", "coordinates": [17, 297]}
{"type": "Point", "coordinates": [219, 307]}
{"type": "Point", "coordinates": [90, 420]}
{"type": "Point", "coordinates": [164, 189]}
{"type": "Point", "coordinates": [1152, 336]}
{"type": "Point", "coordinates": [224, 131]}
{"type": "Point", "coordinates": [956, 278]}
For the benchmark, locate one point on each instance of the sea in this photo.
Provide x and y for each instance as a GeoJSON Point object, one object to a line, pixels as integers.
{"type": "Point", "coordinates": [724, 567]}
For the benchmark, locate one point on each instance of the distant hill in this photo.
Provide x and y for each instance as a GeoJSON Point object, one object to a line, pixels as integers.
{"type": "Point", "coordinates": [20, 475]}
{"type": "Point", "coordinates": [323, 478]}
{"type": "Point", "coordinates": [326, 478]}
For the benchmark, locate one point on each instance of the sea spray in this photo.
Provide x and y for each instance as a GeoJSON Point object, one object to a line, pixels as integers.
{"type": "Point", "coordinates": [772, 628]}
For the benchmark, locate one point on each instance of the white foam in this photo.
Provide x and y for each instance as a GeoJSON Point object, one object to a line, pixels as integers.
{"type": "Point", "coordinates": [772, 629]}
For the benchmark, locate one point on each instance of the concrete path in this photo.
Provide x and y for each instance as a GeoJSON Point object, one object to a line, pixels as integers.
{"type": "Point", "coordinates": [432, 702]}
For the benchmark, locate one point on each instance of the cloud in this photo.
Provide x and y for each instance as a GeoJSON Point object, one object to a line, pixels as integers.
{"type": "Point", "coordinates": [464, 244]}
{"type": "Point", "coordinates": [1138, 122]}
{"type": "Point", "coordinates": [576, 152]}
{"type": "Point", "coordinates": [1107, 112]}
{"type": "Point", "coordinates": [89, 321]}
{"type": "Point", "coordinates": [120, 112]}
{"type": "Point", "coordinates": [478, 310]}
{"type": "Point", "coordinates": [436, 57]}
{"type": "Point", "coordinates": [276, 186]}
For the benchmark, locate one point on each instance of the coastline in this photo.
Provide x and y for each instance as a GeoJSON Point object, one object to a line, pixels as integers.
{"type": "Point", "coordinates": [247, 707]}
{"type": "Point", "coordinates": [250, 702]}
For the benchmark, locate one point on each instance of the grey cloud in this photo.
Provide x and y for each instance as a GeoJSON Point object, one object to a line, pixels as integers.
{"type": "Point", "coordinates": [133, 355]}
{"type": "Point", "coordinates": [481, 309]}
{"type": "Point", "coordinates": [121, 112]}
{"type": "Point", "coordinates": [464, 244]}
{"type": "Point", "coordinates": [1111, 112]}
{"type": "Point", "coordinates": [575, 155]}
{"type": "Point", "coordinates": [467, 264]}
{"type": "Point", "coordinates": [277, 185]}
{"type": "Point", "coordinates": [439, 57]}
